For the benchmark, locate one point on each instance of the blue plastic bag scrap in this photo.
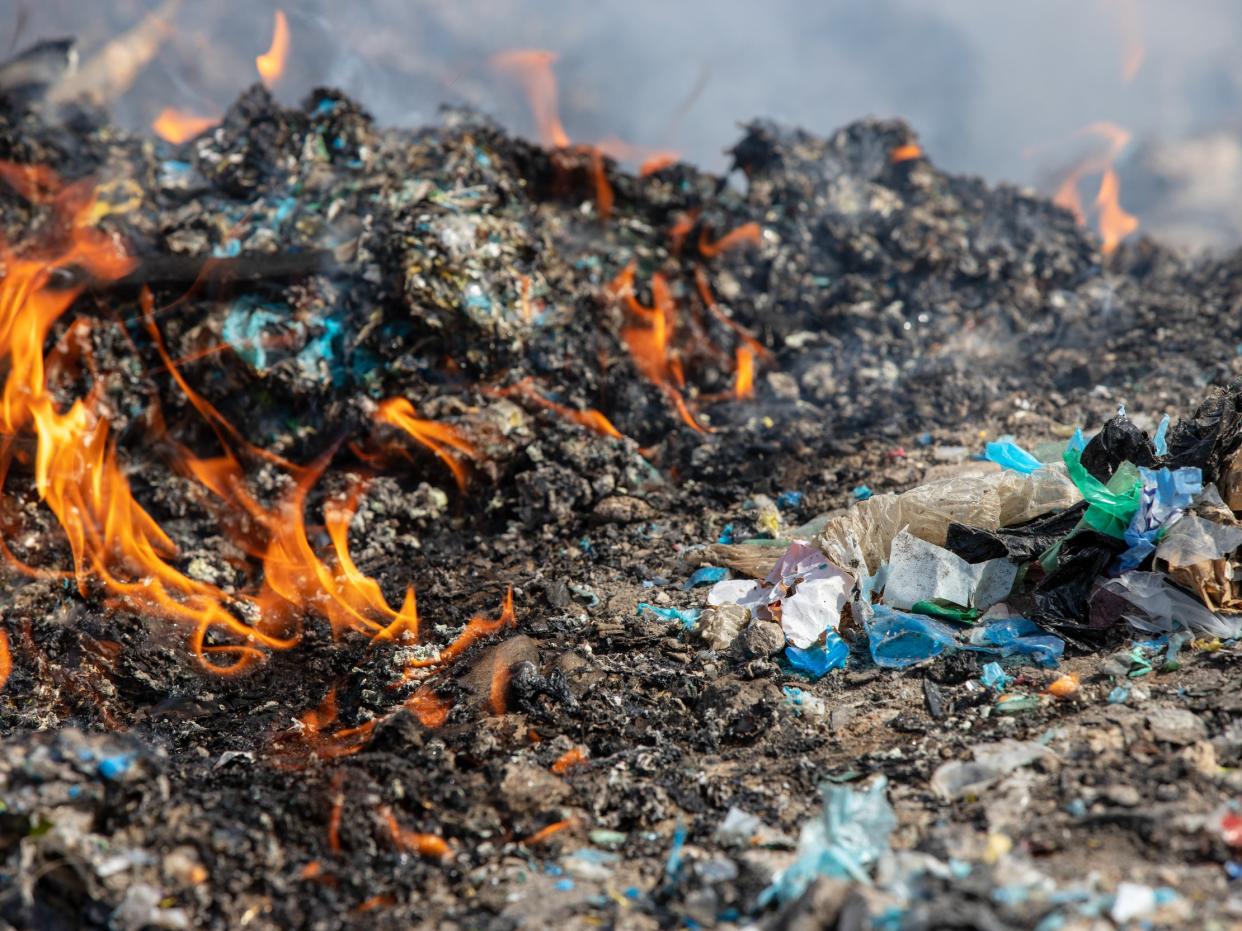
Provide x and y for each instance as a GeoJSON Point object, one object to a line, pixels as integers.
{"type": "Point", "coordinates": [1009, 455]}
{"type": "Point", "coordinates": [995, 678]}
{"type": "Point", "coordinates": [705, 575]}
{"type": "Point", "coordinates": [862, 493]}
{"type": "Point", "coordinates": [687, 616]}
{"type": "Point", "coordinates": [898, 640]}
{"type": "Point", "coordinates": [819, 658]}
{"type": "Point", "coordinates": [1165, 497]}
{"type": "Point", "coordinates": [1019, 636]}
{"type": "Point", "coordinates": [789, 499]}
{"type": "Point", "coordinates": [850, 834]}
{"type": "Point", "coordinates": [1161, 439]}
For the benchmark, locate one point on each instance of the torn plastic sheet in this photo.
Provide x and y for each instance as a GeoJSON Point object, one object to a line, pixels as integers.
{"type": "Point", "coordinates": [705, 575]}
{"type": "Point", "coordinates": [898, 640]}
{"type": "Point", "coordinates": [1062, 597]}
{"type": "Point", "coordinates": [844, 841]}
{"type": "Point", "coordinates": [992, 762]}
{"type": "Point", "coordinates": [1120, 440]}
{"type": "Point", "coordinates": [860, 539]}
{"type": "Point", "coordinates": [1165, 496]}
{"type": "Point", "coordinates": [921, 571]}
{"type": "Point", "coordinates": [1194, 539]}
{"type": "Point", "coordinates": [815, 607]}
{"type": "Point", "coordinates": [1159, 607]}
{"type": "Point", "coordinates": [1020, 636]}
{"type": "Point", "coordinates": [688, 617]}
{"type": "Point", "coordinates": [1009, 455]}
{"type": "Point", "coordinates": [817, 659]}
{"type": "Point", "coordinates": [1161, 440]}
{"type": "Point", "coordinates": [1111, 506]}
{"type": "Point", "coordinates": [1021, 544]}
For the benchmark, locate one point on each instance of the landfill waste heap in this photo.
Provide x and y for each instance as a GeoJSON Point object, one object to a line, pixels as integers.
{"type": "Point", "coordinates": [425, 527]}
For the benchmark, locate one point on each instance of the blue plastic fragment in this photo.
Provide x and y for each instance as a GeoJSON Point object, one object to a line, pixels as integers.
{"type": "Point", "coordinates": [1233, 869]}
{"type": "Point", "coordinates": [818, 659]}
{"type": "Point", "coordinates": [687, 616]}
{"type": "Point", "coordinates": [925, 439]}
{"type": "Point", "coordinates": [705, 575]}
{"type": "Point", "coordinates": [1009, 455]}
{"type": "Point", "coordinates": [862, 493]}
{"type": "Point", "coordinates": [1118, 695]}
{"type": "Point", "coordinates": [563, 885]}
{"type": "Point", "coordinates": [726, 535]}
{"type": "Point", "coordinates": [1076, 808]}
{"type": "Point", "coordinates": [899, 640]}
{"type": "Point", "coordinates": [994, 677]}
{"type": "Point", "coordinates": [852, 833]}
{"type": "Point", "coordinates": [1166, 495]}
{"type": "Point", "coordinates": [1161, 439]}
{"type": "Point", "coordinates": [672, 866]}
{"type": "Point", "coordinates": [113, 768]}
{"type": "Point", "coordinates": [1019, 636]}
{"type": "Point", "coordinates": [789, 499]}
{"type": "Point", "coordinates": [632, 893]}
{"type": "Point", "coordinates": [1077, 442]}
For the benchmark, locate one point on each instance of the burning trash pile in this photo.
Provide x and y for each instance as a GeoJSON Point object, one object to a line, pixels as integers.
{"type": "Point", "coordinates": [350, 474]}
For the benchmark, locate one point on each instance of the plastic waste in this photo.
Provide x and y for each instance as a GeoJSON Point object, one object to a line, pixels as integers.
{"type": "Point", "coordinates": [1211, 435]}
{"type": "Point", "coordinates": [992, 762]}
{"type": "Point", "coordinates": [818, 659]}
{"type": "Point", "coordinates": [1119, 441]}
{"type": "Point", "coordinates": [994, 677]}
{"type": "Point", "coordinates": [1131, 901]}
{"type": "Point", "coordinates": [1161, 440]}
{"type": "Point", "coordinates": [919, 571]}
{"type": "Point", "coordinates": [1111, 506]}
{"type": "Point", "coordinates": [705, 575]}
{"type": "Point", "coordinates": [1019, 636]}
{"type": "Point", "coordinates": [1062, 598]}
{"type": "Point", "coordinates": [860, 538]}
{"type": "Point", "coordinates": [844, 841]}
{"type": "Point", "coordinates": [1118, 695]}
{"type": "Point", "coordinates": [1016, 703]}
{"type": "Point", "coordinates": [789, 499]}
{"type": "Point", "coordinates": [738, 828]}
{"type": "Point", "coordinates": [946, 612]}
{"type": "Point", "coordinates": [898, 640]}
{"type": "Point", "coordinates": [815, 607]}
{"type": "Point", "coordinates": [688, 617]}
{"type": "Point", "coordinates": [1159, 607]}
{"type": "Point", "coordinates": [862, 493]}
{"type": "Point", "coordinates": [1165, 496]}
{"type": "Point", "coordinates": [1021, 544]}
{"type": "Point", "coordinates": [1009, 455]}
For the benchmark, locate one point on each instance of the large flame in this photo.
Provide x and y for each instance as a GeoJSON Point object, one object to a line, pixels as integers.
{"type": "Point", "coordinates": [444, 441]}
{"type": "Point", "coordinates": [532, 69]}
{"type": "Point", "coordinates": [271, 64]}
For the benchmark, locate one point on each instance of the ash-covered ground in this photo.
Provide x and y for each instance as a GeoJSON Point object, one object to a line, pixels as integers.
{"type": "Point", "coordinates": [909, 315]}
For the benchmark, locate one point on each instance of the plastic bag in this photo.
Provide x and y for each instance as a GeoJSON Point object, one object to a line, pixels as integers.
{"type": "Point", "coordinates": [1110, 507]}
{"type": "Point", "coordinates": [1118, 441]}
{"type": "Point", "coordinates": [1209, 437]}
{"type": "Point", "coordinates": [1020, 636]}
{"type": "Point", "coordinates": [1009, 455]}
{"type": "Point", "coordinates": [1159, 607]}
{"type": "Point", "coordinates": [1022, 543]}
{"type": "Point", "coordinates": [1166, 494]}
{"type": "Point", "coordinates": [959, 778]}
{"type": "Point", "coordinates": [851, 834]}
{"type": "Point", "coordinates": [860, 538]}
{"type": "Point", "coordinates": [1061, 598]}
{"type": "Point", "coordinates": [1194, 540]}
{"type": "Point", "coordinates": [921, 571]}
{"type": "Point", "coordinates": [898, 640]}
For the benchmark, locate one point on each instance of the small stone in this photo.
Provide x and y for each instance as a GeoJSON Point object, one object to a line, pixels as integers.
{"type": "Point", "coordinates": [761, 639]}
{"type": "Point", "coordinates": [1176, 725]}
{"type": "Point", "coordinates": [1123, 795]}
{"type": "Point", "coordinates": [622, 509]}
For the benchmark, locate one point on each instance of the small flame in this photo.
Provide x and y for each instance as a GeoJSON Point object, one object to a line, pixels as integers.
{"type": "Point", "coordinates": [746, 234]}
{"type": "Point", "coordinates": [6, 658]}
{"type": "Point", "coordinates": [648, 339]}
{"type": "Point", "coordinates": [532, 69]}
{"type": "Point", "coordinates": [1114, 222]}
{"type": "Point", "coordinates": [1129, 20]}
{"type": "Point", "coordinates": [546, 833]}
{"type": "Point", "coordinates": [590, 418]}
{"type": "Point", "coordinates": [744, 378]}
{"type": "Point", "coordinates": [445, 442]}
{"type": "Point", "coordinates": [905, 153]}
{"type": "Point", "coordinates": [271, 64]}
{"type": "Point", "coordinates": [178, 126]}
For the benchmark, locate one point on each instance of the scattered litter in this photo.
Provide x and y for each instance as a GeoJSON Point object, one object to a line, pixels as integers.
{"type": "Point", "coordinates": [919, 571]}
{"type": "Point", "coordinates": [688, 617]}
{"type": "Point", "coordinates": [862, 493]}
{"type": "Point", "coordinates": [789, 499]}
{"type": "Point", "coordinates": [898, 640]}
{"type": "Point", "coordinates": [818, 659]}
{"type": "Point", "coordinates": [1009, 455]}
{"type": "Point", "coordinates": [959, 778]}
{"type": "Point", "coordinates": [994, 677]}
{"type": "Point", "coordinates": [706, 575]}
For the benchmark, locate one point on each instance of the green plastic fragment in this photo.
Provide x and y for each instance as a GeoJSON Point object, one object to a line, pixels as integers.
{"type": "Point", "coordinates": [946, 611]}
{"type": "Point", "coordinates": [1110, 507]}
{"type": "Point", "coordinates": [1016, 704]}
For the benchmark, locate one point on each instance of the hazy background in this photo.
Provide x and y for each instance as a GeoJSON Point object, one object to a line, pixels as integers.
{"type": "Point", "coordinates": [995, 87]}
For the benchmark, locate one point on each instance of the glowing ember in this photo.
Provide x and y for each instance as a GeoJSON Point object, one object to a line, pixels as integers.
{"type": "Point", "coordinates": [532, 69]}
{"type": "Point", "coordinates": [544, 834]}
{"type": "Point", "coordinates": [425, 845]}
{"type": "Point", "coordinates": [271, 64]}
{"type": "Point", "coordinates": [177, 126]}
{"type": "Point", "coordinates": [905, 153]}
{"type": "Point", "coordinates": [590, 418]}
{"type": "Point", "coordinates": [445, 442]}
{"type": "Point", "coordinates": [744, 377]}
{"type": "Point", "coordinates": [575, 756]}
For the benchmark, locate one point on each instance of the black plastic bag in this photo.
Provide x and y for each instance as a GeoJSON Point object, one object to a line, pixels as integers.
{"type": "Point", "coordinates": [1210, 437]}
{"type": "Point", "coordinates": [1021, 543]}
{"type": "Point", "coordinates": [1061, 598]}
{"type": "Point", "coordinates": [1118, 441]}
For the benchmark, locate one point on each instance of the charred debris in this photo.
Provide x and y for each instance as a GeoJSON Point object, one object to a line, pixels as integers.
{"type": "Point", "coordinates": [639, 376]}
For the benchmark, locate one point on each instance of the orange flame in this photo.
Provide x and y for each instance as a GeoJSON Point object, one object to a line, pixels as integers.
{"type": "Point", "coordinates": [425, 845]}
{"type": "Point", "coordinates": [747, 233]}
{"type": "Point", "coordinates": [178, 126]}
{"type": "Point", "coordinates": [575, 756]}
{"type": "Point", "coordinates": [590, 418]}
{"type": "Point", "coordinates": [1114, 222]}
{"type": "Point", "coordinates": [905, 153]}
{"type": "Point", "coordinates": [647, 341]}
{"type": "Point", "coordinates": [532, 69]}
{"type": "Point", "coordinates": [6, 658]}
{"type": "Point", "coordinates": [544, 834]}
{"type": "Point", "coordinates": [1129, 22]}
{"type": "Point", "coordinates": [744, 378]}
{"type": "Point", "coordinates": [445, 442]}
{"type": "Point", "coordinates": [271, 64]}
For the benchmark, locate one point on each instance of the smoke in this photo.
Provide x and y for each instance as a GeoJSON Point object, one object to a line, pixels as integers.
{"type": "Point", "coordinates": [996, 89]}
